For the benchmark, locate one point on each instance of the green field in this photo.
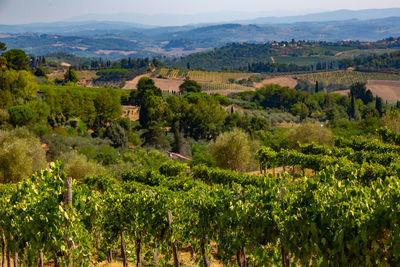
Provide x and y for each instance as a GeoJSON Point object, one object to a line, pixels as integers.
{"type": "Point", "coordinates": [78, 89]}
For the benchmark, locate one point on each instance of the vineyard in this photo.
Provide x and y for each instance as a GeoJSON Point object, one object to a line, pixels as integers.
{"type": "Point", "coordinates": [345, 78]}
{"type": "Point", "coordinates": [345, 214]}
{"type": "Point", "coordinates": [203, 76]}
{"type": "Point", "coordinates": [224, 86]}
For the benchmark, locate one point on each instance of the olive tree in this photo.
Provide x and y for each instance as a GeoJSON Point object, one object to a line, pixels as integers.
{"type": "Point", "coordinates": [233, 150]}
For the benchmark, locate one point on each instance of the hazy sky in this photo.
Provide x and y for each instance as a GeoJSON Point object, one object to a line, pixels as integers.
{"type": "Point", "coordinates": [26, 11]}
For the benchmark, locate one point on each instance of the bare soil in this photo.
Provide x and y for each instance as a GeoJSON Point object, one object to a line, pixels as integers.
{"type": "Point", "coordinates": [387, 90]}
{"type": "Point", "coordinates": [131, 85]}
{"type": "Point", "coordinates": [131, 112]}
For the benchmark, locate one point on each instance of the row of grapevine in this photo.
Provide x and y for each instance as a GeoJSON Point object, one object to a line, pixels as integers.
{"type": "Point", "coordinates": [345, 77]}
{"type": "Point", "coordinates": [224, 86]}
{"type": "Point", "coordinates": [334, 218]}
{"type": "Point", "coordinates": [203, 76]}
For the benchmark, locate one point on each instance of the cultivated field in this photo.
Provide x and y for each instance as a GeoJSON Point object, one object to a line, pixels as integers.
{"type": "Point", "coordinates": [168, 79]}
{"type": "Point", "coordinates": [345, 78]}
{"type": "Point", "coordinates": [280, 80]}
{"type": "Point", "coordinates": [387, 90]}
{"type": "Point", "coordinates": [203, 76]}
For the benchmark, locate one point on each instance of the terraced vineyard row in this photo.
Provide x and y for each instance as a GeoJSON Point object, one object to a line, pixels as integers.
{"type": "Point", "coordinates": [209, 76]}
{"type": "Point", "coordinates": [346, 78]}
{"type": "Point", "coordinates": [224, 86]}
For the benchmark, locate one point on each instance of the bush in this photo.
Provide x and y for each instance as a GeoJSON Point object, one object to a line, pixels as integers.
{"type": "Point", "coordinates": [21, 154]}
{"type": "Point", "coordinates": [22, 115]}
{"type": "Point", "coordinates": [232, 150]}
{"type": "Point", "coordinates": [78, 166]}
{"type": "Point", "coordinates": [106, 155]}
{"type": "Point", "coordinates": [201, 156]}
{"type": "Point", "coordinates": [116, 134]}
{"type": "Point", "coordinates": [172, 168]}
{"type": "Point", "coordinates": [308, 133]}
{"type": "Point", "coordinates": [150, 160]}
{"type": "Point", "coordinates": [4, 116]}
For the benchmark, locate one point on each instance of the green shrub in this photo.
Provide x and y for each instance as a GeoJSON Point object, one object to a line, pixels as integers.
{"type": "Point", "coordinates": [22, 115]}
{"type": "Point", "coordinates": [78, 166]}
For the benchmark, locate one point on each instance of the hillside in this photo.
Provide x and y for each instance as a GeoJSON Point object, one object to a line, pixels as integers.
{"type": "Point", "coordinates": [113, 40]}
{"type": "Point", "coordinates": [242, 56]}
{"type": "Point", "coordinates": [169, 79]}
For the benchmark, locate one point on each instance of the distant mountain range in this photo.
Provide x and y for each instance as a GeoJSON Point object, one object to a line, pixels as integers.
{"type": "Point", "coordinates": [338, 15]}
{"type": "Point", "coordinates": [223, 17]}
{"type": "Point", "coordinates": [113, 39]}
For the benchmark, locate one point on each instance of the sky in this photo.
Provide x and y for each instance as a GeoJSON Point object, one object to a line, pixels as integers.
{"type": "Point", "coordinates": [28, 11]}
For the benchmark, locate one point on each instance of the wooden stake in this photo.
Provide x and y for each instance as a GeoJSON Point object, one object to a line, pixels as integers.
{"type": "Point", "coordinates": [174, 248]}
{"type": "Point", "coordinates": [3, 250]}
{"type": "Point", "coordinates": [41, 256]}
{"type": "Point", "coordinates": [68, 206]}
{"type": "Point", "coordinates": [125, 262]}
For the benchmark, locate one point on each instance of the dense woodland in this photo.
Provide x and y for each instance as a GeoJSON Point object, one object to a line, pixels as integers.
{"type": "Point", "coordinates": [324, 191]}
{"type": "Point", "coordinates": [303, 55]}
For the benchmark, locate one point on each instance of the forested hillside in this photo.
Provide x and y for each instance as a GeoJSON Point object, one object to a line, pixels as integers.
{"type": "Point", "coordinates": [288, 56]}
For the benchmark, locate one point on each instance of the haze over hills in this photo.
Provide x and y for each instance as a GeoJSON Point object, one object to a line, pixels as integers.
{"type": "Point", "coordinates": [115, 39]}
{"type": "Point", "coordinates": [240, 17]}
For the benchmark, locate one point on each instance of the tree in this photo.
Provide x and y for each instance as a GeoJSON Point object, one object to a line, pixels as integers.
{"type": "Point", "coordinates": [316, 87]}
{"type": "Point", "coordinates": [301, 110]}
{"type": "Point", "coordinates": [359, 91]}
{"type": "Point", "coordinates": [116, 134]}
{"type": "Point", "coordinates": [204, 119]}
{"type": "Point", "coordinates": [71, 76]}
{"type": "Point", "coordinates": [189, 86]}
{"type": "Point", "coordinates": [39, 72]}
{"type": "Point", "coordinates": [392, 120]}
{"type": "Point", "coordinates": [152, 109]}
{"type": "Point", "coordinates": [379, 105]}
{"type": "Point", "coordinates": [232, 150]}
{"type": "Point", "coordinates": [154, 136]}
{"type": "Point", "coordinates": [78, 166]}
{"type": "Point", "coordinates": [16, 59]}
{"type": "Point", "coordinates": [3, 63]}
{"type": "Point", "coordinates": [352, 108]}
{"type": "Point", "coordinates": [3, 46]}
{"type": "Point", "coordinates": [108, 106]}
{"type": "Point", "coordinates": [20, 85]}
{"type": "Point", "coordinates": [144, 85]}
{"type": "Point", "coordinates": [22, 115]}
{"type": "Point", "coordinates": [308, 133]}
{"type": "Point", "coordinates": [201, 155]}
{"type": "Point", "coordinates": [21, 154]}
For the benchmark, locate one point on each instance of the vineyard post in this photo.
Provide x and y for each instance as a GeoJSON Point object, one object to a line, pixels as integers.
{"type": "Point", "coordinates": [16, 259]}
{"type": "Point", "coordinates": [110, 255]}
{"type": "Point", "coordinates": [41, 263]}
{"type": "Point", "coordinates": [3, 250]}
{"type": "Point", "coordinates": [174, 248]}
{"type": "Point", "coordinates": [56, 261]}
{"type": "Point", "coordinates": [285, 255]}
{"type": "Point", "coordinates": [204, 254]}
{"type": "Point", "coordinates": [138, 252]}
{"type": "Point", "coordinates": [155, 255]}
{"type": "Point", "coordinates": [125, 263]}
{"type": "Point", "coordinates": [68, 206]}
